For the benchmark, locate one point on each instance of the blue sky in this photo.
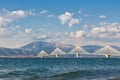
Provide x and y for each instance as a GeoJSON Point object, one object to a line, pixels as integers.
{"type": "Point", "coordinates": [81, 22]}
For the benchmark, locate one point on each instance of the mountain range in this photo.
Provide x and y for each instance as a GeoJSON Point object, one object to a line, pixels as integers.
{"type": "Point", "coordinates": [35, 47]}
{"type": "Point", "coordinates": [14, 52]}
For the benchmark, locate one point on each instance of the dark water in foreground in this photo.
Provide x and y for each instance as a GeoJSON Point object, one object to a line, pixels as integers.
{"type": "Point", "coordinates": [60, 69]}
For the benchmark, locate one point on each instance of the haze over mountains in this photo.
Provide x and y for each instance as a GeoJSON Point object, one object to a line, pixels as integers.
{"type": "Point", "coordinates": [37, 46]}
{"type": "Point", "coordinates": [34, 48]}
{"type": "Point", "coordinates": [14, 52]}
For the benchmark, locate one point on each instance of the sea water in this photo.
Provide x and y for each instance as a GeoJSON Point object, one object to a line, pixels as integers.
{"type": "Point", "coordinates": [60, 69]}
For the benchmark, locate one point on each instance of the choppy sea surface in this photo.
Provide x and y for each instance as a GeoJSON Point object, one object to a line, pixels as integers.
{"type": "Point", "coordinates": [60, 69]}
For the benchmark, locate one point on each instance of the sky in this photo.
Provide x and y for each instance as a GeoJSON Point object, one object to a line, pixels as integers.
{"type": "Point", "coordinates": [80, 22]}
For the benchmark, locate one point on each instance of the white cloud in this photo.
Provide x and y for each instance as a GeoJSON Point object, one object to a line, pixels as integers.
{"type": "Point", "coordinates": [18, 26]}
{"type": "Point", "coordinates": [106, 30]}
{"type": "Point", "coordinates": [2, 30]}
{"type": "Point", "coordinates": [77, 34]}
{"type": "Point", "coordinates": [80, 33]}
{"type": "Point", "coordinates": [66, 33]}
{"type": "Point", "coordinates": [73, 21]}
{"type": "Point", "coordinates": [65, 17]}
{"type": "Point", "coordinates": [28, 30]}
{"type": "Point", "coordinates": [19, 13]}
{"type": "Point", "coordinates": [42, 36]}
{"type": "Point", "coordinates": [102, 16]}
{"type": "Point", "coordinates": [11, 16]}
{"type": "Point", "coordinates": [7, 18]}
{"type": "Point", "coordinates": [68, 18]}
{"type": "Point", "coordinates": [43, 12]}
{"type": "Point", "coordinates": [97, 30]}
{"type": "Point", "coordinates": [71, 34]}
{"type": "Point", "coordinates": [1, 19]}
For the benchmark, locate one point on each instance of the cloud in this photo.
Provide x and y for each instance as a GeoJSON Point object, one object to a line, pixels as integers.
{"type": "Point", "coordinates": [7, 17]}
{"type": "Point", "coordinates": [43, 12]}
{"type": "Point", "coordinates": [97, 30]}
{"type": "Point", "coordinates": [2, 30]}
{"type": "Point", "coordinates": [102, 16]}
{"type": "Point", "coordinates": [28, 30]}
{"type": "Point", "coordinates": [18, 26]}
{"type": "Point", "coordinates": [106, 30]}
{"type": "Point", "coordinates": [73, 21]}
{"type": "Point", "coordinates": [77, 34]}
{"type": "Point", "coordinates": [41, 37]}
{"type": "Point", "coordinates": [96, 34]}
{"type": "Point", "coordinates": [1, 19]}
{"type": "Point", "coordinates": [19, 13]}
{"type": "Point", "coordinates": [67, 18]}
{"type": "Point", "coordinates": [41, 34]}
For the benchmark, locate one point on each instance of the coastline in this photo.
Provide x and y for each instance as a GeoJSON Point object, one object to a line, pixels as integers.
{"type": "Point", "coordinates": [101, 56]}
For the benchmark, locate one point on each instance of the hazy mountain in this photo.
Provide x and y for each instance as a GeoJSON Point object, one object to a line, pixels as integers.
{"type": "Point", "coordinates": [36, 47]}
{"type": "Point", "coordinates": [116, 47]}
{"type": "Point", "coordinates": [92, 48]}
{"type": "Point", "coordinates": [14, 52]}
